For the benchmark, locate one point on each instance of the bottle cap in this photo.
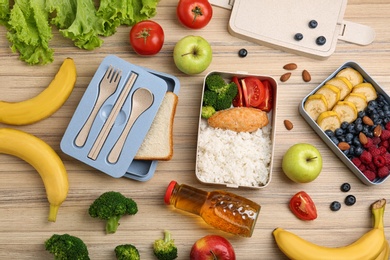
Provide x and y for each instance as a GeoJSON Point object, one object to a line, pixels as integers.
{"type": "Point", "coordinates": [168, 192]}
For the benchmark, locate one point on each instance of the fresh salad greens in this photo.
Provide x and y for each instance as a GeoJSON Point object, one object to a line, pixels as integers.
{"type": "Point", "coordinates": [84, 22]}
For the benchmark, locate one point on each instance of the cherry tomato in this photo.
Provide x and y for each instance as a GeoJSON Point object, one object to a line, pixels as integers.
{"type": "Point", "coordinates": [194, 14]}
{"type": "Point", "coordinates": [267, 104]}
{"type": "Point", "coordinates": [147, 37]}
{"type": "Point", "coordinates": [253, 91]}
{"type": "Point", "coordinates": [303, 206]}
{"type": "Point", "coordinates": [238, 101]}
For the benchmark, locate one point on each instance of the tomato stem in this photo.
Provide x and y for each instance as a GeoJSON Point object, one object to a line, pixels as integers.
{"type": "Point", "coordinates": [145, 33]}
{"type": "Point", "coordinates": [197, 11]}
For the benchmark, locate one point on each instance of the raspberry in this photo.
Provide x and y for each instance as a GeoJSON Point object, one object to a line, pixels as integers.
{"type": "Point", "coordinates": [362, 167]}
{"type": "Point", "coordinates": [366, 157]}
{"type": "Point", "coordinates": [387, 126]}
{"type": "Point", "coordinates": [371, 166]}
{"type": "Point", "coordinates": [385, 135]}
{"type": "Point", "coordinates": [376, 140]}
{"type": "Point", "coordinates": [369, 143]}
{"type": "Point", "coordinates": [379, 161]}
{"type": "Point", "coordinates": [383, 172]}
{"type": "Point", "coordinates": [385, 144]}
{"type": "Point", "coordinates": [374, 151]}
{"type": "Point", "coordinates": [382, 150]}
{"type": "Point", "coordinates": [387, 158]}
{"type": "Point", "coordinates": [369, 174]}
{"type": "Point", "coordinates": [356, 161]}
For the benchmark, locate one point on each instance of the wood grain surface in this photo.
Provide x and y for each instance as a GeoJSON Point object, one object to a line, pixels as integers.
{"type": "Point", "coordinates": [23, 203]}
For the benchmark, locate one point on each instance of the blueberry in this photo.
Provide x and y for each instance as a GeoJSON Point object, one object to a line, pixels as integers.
{"type": "Point", "coordinates": [335, 140]}
{"type": "Point", "coordinates": [361, 114]}
{"type": "Point", "coordinates": [321, 40]}
{"type": "Point", "coordinates": [345, 187]}
{"type": "Point", "coordinates": [298, 36]}
{"type": "Point", "coordinates": [344, 125]}
{"type": "Point", "coordinates": [349, 137]}
{"type": "Point", "coordinates": [350, 200]}
{"type": "Point", "coordinates": [313, 24]}
{"type": "Point", "coordinates": [339, 132]}
{"type": "Point", "coordinates": [358, 151]}
{"type": "Point", "coordinates": [335, 206]}
{"type": "Point", "coordinates": [242, 53]}
{"type": "Point", "coordinates": [329, 133]}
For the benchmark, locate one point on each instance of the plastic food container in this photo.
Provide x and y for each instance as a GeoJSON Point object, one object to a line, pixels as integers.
{"type": "Point", "coordinates": [156, 82]}
{"type": "Point", "coordinates": [219, 164]}
{"type": "Point", "coordinates": [344, 157]}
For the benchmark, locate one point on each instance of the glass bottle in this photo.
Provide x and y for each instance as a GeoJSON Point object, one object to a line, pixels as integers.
{"type": "Point", "coordinates": [223, 210]}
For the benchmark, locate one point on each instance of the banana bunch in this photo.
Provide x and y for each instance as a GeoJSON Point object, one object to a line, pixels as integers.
{"type": "Point", "coordinates": [44, 159]}
{"type": "Point", "coordinates": [45, 103]}
{"type": "Point", "coordinates": [371, 246]}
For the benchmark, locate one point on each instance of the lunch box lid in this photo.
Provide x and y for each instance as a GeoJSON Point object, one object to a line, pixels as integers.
{"type": "Point", "coordinates": [275, 23]}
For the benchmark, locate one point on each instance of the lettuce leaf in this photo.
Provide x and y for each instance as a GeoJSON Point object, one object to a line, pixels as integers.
{"type": "Point", "coordinates": [4, 12]}
{"type": "Point", "coordinates": [29, 32]}
{"type": "Point", "coordinates": [84, 28]}
{"type": "Point", "coordinates": [125, 12]}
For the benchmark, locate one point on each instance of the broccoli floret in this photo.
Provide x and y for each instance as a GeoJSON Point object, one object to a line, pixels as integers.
{"type": "Point", "coordinates": [219, 94]}
{"type": "Point", "coordinates": [207, 111]}
{"type": "Point", "coordinates": [127, 252]}
{"type": "Point", "coordinates": [165, 248]}
{"type": "Point", "coordinates": [111, 206]}
{"type": "Point", "coordinates": [67, 247]}
{"type": "Point", "coordinates": [210, 98]}
{"type": "Point", "coordinates": [215, 82]}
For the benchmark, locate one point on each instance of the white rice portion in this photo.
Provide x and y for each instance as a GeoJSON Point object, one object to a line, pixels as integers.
{"type": "Point", "coordinates": [228, 157]}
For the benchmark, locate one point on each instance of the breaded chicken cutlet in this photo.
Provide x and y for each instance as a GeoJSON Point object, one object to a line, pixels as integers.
{"type": "Point", "coordinates": [239, 119]}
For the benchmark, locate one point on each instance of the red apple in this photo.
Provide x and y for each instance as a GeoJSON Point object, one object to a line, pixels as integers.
{"type": "Point", "coordinates": [212, 247]}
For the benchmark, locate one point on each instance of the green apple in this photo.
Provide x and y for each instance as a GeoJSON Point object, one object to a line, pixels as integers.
{"type": "Point", "coordinates": [302, 163]}
{"type": "Point", "coordinates": [192, 54]}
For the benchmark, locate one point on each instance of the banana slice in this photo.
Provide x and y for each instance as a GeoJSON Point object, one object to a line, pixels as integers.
{"type": "Point", "coordinates": [366, 89]}
{"type": "Point", "coordinates": [343, 84]}
{"type": "Point", "coordinates": [359, 100]}
{"type": "Point", "coordinates": [346, 110]}
{"type": "Point", "coordinates": [329, 120]}
{"type": "Point", "coordinates": [331, 93]}
{"type": "Point", "coordinates": [352, 75]}
{"type": "Point", "coordinates": [315, 105]}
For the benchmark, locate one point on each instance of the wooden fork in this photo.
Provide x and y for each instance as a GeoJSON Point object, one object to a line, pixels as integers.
{"type": "Point", "coordinates": [107, 87]}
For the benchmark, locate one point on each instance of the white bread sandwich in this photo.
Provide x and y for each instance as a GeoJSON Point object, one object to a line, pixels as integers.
{"type": "Point", "coordinates": [158, 143]}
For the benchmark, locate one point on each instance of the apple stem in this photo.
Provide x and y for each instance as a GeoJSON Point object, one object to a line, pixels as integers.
{"type": "Point", "coordinates": [195, 52]}
{"type": "Point", "coordinates": [214, 256]}
{"type": "Point", "coordinates": [311, 158]}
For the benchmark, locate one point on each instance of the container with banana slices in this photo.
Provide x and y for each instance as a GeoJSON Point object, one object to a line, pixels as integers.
{"type": "Point", "coordinates": [351, 113]}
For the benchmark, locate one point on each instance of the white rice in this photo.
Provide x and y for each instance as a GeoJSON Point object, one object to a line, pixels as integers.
{"type": "Point", "coordinates": [228, 157]}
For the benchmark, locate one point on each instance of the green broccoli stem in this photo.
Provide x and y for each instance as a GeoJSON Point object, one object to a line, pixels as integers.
{"type": "Point", "coordinates": [167, 236]}
{"type": "Point", "coordinates": [112, 224]}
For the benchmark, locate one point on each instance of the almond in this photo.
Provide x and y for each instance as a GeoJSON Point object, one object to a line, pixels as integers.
{"type": "Point", "coordinates": [363, 138]}
{"type": "Point", "coordinates": [290, 66]}
{"type": "Point", "coordinates": [377, 131]}
{"type": "Point", "coordinates": [367, 121]}
{"type": "Point", "coordinates": [343, 146]}
{"type": "Point", "coordinates": [285, 77]}
{"type": "Point", "coordinates": [306, 76]}
{"type": "Point", "coordinates": [288, 124]}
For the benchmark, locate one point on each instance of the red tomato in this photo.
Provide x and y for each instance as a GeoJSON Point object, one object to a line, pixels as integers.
{"type": "Point", "coordinates": [253, 91]}
{"type": "Point", "coordinates": [147, 37]}
{"type": "Point", "coordinates": [303, 206]}
{"type": "Point", "coordinates": [267, 104]}
{"type": "Point", "coordinates": [238, 101]}
{"type": "Point", "coordinates": [194, 14]}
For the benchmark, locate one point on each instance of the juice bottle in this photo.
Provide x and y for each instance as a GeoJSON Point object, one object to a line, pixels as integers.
{"type": "Point", "coordinates": [223, 210]}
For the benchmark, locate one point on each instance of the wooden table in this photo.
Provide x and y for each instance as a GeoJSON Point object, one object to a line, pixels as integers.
{"type": "Point", "coordinates": [23, 204]}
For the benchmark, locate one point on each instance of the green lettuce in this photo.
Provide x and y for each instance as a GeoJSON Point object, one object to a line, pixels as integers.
{"type": "Point", "coordinates": [4, 12]}
{"type": "Point", "coordinates": [125, 12]}
{"type": "Point", "coordinates": [29, 32]}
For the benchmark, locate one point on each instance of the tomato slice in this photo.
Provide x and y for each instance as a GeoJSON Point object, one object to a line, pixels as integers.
{"type": "Point", "coordinates": [303, 206]}
{"type": "Point", "coordinates": [253, 91]}
{"type": "Point", "coordinates": [238, 100]}
{"type": "Point", "coordinates": [267, 104]}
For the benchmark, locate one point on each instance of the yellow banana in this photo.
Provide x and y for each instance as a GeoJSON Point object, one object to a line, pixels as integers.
{"type": "Point", "coordinates": [367, 247]}
{"type": "Point", "coordinates": [45, 103]}
{"type": "Point", "coordinates": [384, 254]}
{"type": "Point", "coordinates": [44, 159]}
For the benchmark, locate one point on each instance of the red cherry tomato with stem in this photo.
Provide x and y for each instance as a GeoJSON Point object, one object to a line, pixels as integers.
{"type": "Point", "coordinates": [303, 206]}
{"type": "Point", "coordinates": [194, 14]}
{"type": "Point", "coordinates": [147, 37]}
